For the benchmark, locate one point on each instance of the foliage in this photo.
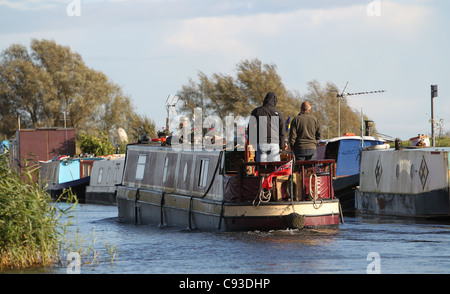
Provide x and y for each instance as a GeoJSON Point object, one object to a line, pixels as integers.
{"type": "Point", "coordinates": [325, 106]}
{"type": "Point", "coordinates": [28, 222]}
{"type": "Point", "coordinates": [41, 85]}
{"type": "Point", "coordinates": [97, 145]}
{"type": "Point", "coordinates": [224, 95]}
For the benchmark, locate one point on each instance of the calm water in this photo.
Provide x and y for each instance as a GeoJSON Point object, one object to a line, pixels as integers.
{"type": "Point", "coordinates": [399, 246]}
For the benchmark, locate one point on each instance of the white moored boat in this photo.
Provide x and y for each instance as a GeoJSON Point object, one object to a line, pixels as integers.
{"type": "Point", "coordinates": [105, 175]}
{"type": "Point", "coordinates": [405, 183]}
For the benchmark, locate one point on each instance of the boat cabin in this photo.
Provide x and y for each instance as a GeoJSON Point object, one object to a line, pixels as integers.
{"type": "Point", "coordinates": [222, 190]}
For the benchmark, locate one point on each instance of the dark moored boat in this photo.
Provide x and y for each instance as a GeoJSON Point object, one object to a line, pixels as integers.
{"type": "Point", "coordinates": [346, 151]}
{"type": "Point", "coordinates": [64, 173]}
{"type": "Point", "coordinates": [220, 190]}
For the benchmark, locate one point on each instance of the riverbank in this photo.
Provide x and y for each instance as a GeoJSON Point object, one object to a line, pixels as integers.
{"type": "Point", "coordinates": [29, 226]}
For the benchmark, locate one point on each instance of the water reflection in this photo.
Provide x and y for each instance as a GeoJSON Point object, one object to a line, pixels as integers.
{"type": "Point", "coordinates": [403, 247]}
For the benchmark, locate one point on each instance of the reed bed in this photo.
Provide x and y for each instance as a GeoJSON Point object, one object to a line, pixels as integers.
{"type": "Point", "coordinates": [34, 229]}
{"type": "Point", "coordinates": [29, 228]}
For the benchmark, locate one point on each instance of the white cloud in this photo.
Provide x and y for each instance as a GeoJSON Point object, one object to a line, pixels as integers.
{"type": "Point", "coordinates": [161, 43]}
{"type": "Point", "coordinates": [32, 4]}
{"type": "Point", "coordinates": [238, 34]}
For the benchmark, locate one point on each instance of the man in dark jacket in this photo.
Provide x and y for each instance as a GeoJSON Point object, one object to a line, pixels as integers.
{"type": "Point", "coordinates": [267, 123]}
{"type": "Point", "coordinates": [304, 134]}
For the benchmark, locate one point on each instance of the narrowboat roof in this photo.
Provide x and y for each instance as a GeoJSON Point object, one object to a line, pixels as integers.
{"type": "Point", "coordinates": [365, 138]}
{"type": "Point", "coordinates": [428, 149]}
{"type": "Point", "coordinates": [159, 148]}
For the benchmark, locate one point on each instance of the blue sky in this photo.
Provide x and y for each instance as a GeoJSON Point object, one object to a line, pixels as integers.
{"type": "Point", "coordinates": [152, 47]}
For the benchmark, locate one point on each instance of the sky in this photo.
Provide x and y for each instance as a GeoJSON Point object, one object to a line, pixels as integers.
{"type": "Point", "coordinates": [151, 48]}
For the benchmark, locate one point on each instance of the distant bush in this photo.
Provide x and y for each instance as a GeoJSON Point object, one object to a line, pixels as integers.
{"type": "Point", "coordinates": [98, 146]}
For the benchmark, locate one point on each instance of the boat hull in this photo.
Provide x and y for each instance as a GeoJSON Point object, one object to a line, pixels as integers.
{"type": "Point", "coordinates": [78, 188]}
{"type": "Point", "coordinates": [152, 207]}
{"type": "Point", "coordinates": [410, 183]}
{"type": "Point", "coordinates": [344, 189]}
{"type": "Point", "coordinates": [105, 198]}
{"type": "Point", "coordinates": [432, 204]}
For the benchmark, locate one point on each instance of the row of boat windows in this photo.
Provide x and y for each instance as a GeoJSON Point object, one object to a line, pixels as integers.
{"type": "Point", "coordinates": [203, 173]}
{"type": "Point", "coordinates": [100, 175]}
{"type": "Point", "coordinates": [109, 175]}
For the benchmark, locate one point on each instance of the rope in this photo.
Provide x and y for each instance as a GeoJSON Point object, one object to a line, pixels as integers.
{"type": "Point", "coordinates": [219, 161]}
{"type": "Point", "coordinates": [136, 208]}
{"type": "Point", "coordinates": [263, 196]}
{"type": "Point", "coordinates": [314, 194]}
{"type": "Point", "coordinates": [291, 181]}
{"type": "Point", "coordinates": [162, 208]}
{"type": "Point", "coordinates": [341, 214]}
{"type": "Point", "coordinates": [221, 215]}
{"type": "Point", "coordinates": [190, 213]}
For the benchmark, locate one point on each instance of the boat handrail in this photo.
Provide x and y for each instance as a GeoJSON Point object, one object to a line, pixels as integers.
{"type": "Point", "coordinates": [276, 163]}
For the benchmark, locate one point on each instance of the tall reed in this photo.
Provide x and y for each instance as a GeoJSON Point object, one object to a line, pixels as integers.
{"type": "Point", "coordinates": [28, 219]}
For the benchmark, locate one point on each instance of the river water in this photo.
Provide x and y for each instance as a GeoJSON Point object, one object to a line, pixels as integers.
{"type": "Point", "coordinates": [359, 246]}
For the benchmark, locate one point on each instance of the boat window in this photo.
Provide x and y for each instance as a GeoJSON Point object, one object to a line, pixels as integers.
{"type": "Point", "coordinates": [185, 172]}
{"type": "Point", "coordinates": [100, 174]}
{"type": "Point", "coordinates": [203, 172]}
{"type": "Point", "coordinates": [108, 175]}
{"type": "Point", "coordinates": [140, 168]}
{"type": "Point", "coordinates": [166, 166]}
{"type": "Point", "coordinates": [54, 177]}
{"type": "Point", "coordinates": [115, 176]}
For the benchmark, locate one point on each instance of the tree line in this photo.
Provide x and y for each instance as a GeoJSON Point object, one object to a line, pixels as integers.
{"type": "Point", "coordinates": [49, 85]}
{"type": "Point", "coordinates": [220, 94]}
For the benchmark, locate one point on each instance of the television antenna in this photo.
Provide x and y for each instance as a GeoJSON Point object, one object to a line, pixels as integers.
{"type": "Point", "coordinates": [171, 103]}
{"type": "Point", "coordinates": [344, 94]}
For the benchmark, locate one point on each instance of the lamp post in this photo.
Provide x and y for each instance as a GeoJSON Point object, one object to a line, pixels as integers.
{"type": "Point", "coordinates": [434, 91]}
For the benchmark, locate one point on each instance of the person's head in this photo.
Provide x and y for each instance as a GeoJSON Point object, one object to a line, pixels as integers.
{"type": "Point", "coordinates": [306, 107]}
{"type": "Point", "coordinates": [270, 99]}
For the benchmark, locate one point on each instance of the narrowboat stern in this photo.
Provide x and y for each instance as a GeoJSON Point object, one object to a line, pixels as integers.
{"type": "Point", "coordinates": [218, 190]}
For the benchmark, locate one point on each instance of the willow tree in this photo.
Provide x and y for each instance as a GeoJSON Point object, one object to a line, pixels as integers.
{"type": "Point", "coordinates": [223, 95]}
{"type": "Point", "coordinates": [51, 86]}
{"type": "Point", "coordinates": [326, 108]}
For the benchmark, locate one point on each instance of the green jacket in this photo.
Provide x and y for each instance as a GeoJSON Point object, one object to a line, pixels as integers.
{"type": "Point", "coordinates": [304, 132]}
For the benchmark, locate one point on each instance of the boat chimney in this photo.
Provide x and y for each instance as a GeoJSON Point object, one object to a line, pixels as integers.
{"type": "Point", "coordinates": [368, 127]}
{"type": "Point", "coordinates": [398, 144]}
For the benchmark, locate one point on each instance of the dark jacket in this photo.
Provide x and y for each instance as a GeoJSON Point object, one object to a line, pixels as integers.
{"type": "Point", "coordinates": [275, 131]}
{"type": "Point", "coordinates": [304, 132]}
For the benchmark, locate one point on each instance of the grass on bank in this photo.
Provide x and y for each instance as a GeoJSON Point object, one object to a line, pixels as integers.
{"type": "Point", "coordinates": [28, 221]}
{"type": "Point", "coordinates": [31, 231]}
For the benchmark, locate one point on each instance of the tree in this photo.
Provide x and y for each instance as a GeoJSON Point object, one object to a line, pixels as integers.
{"type": "Point", "coordinates": [42, 85]}
{"type": "Point", "coordinates": [325, 107]}
{"type": "Point", "coordinates": [224, 95]}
